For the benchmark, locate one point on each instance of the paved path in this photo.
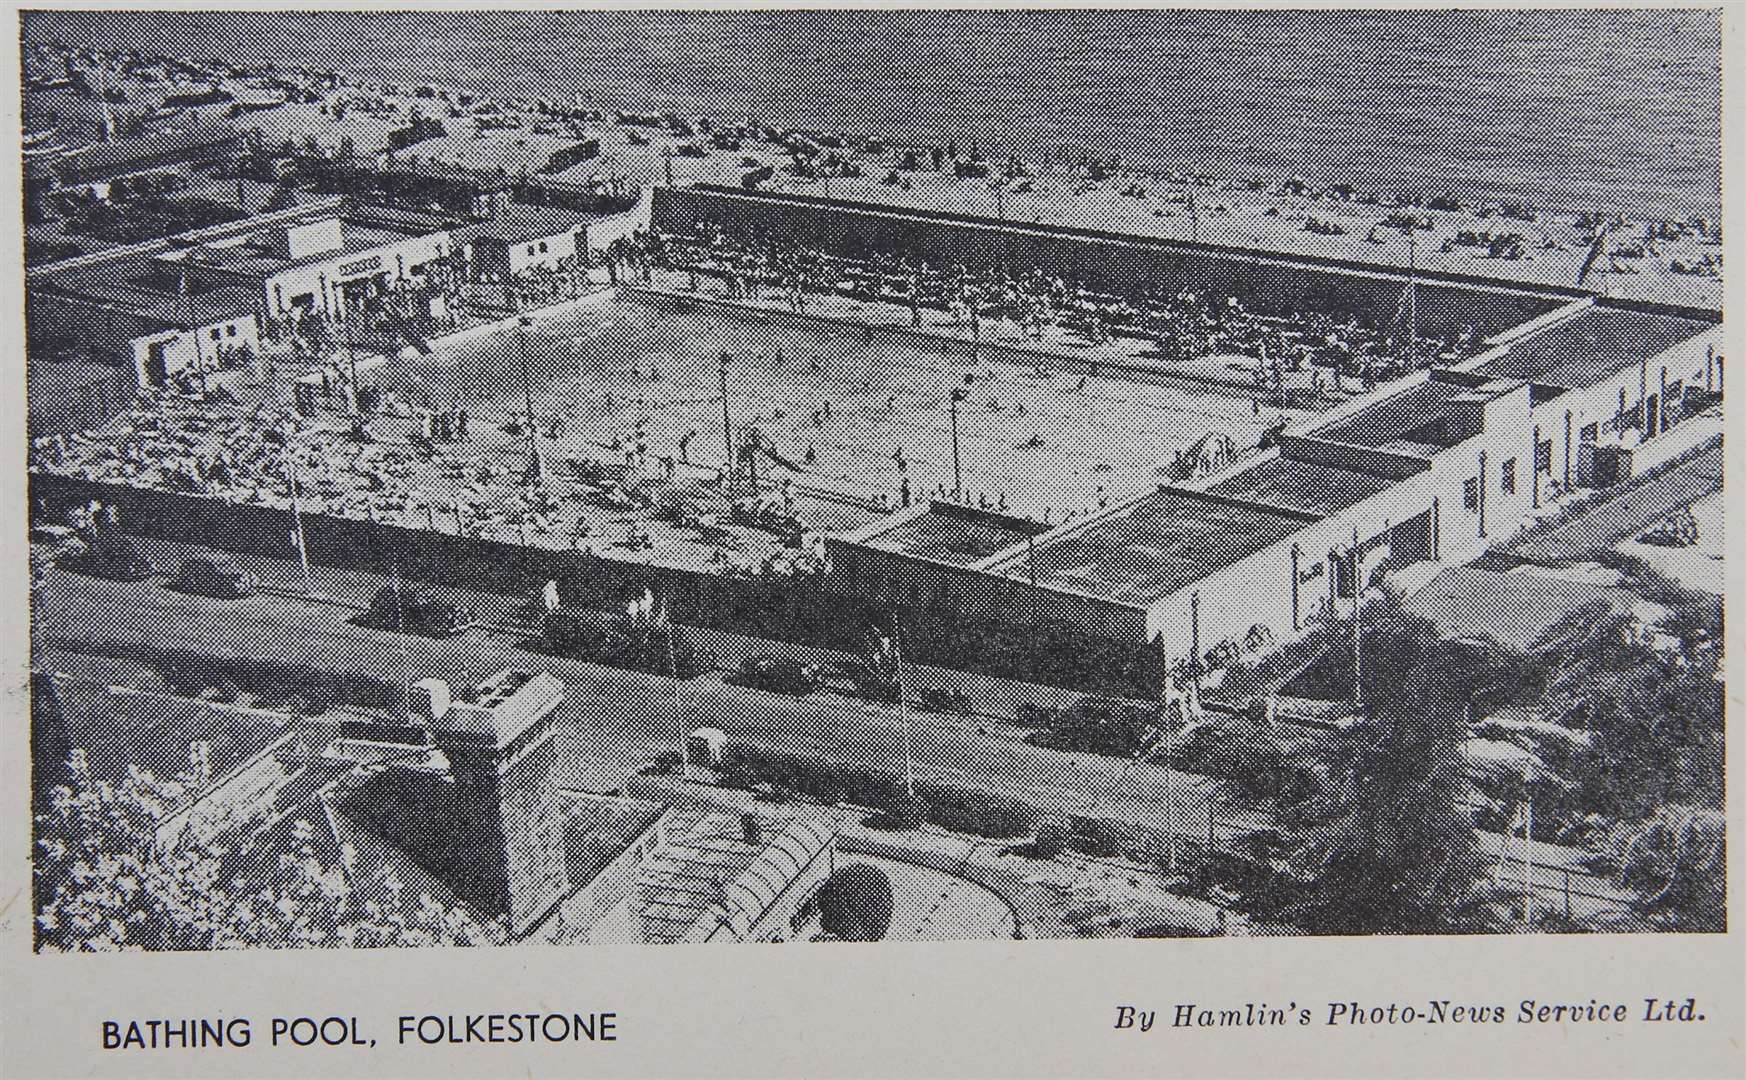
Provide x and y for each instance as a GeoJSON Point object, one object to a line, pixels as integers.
{"type": "Point", "coordinates": [1626, 513]}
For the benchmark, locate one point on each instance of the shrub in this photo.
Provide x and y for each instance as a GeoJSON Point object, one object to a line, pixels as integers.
{"type": "Point", "coordinates": [855, 903]}
{"type": "Point", "coordinates": [189, 673]}
{"type": "Point", "coordinates": [962, 809]}
{"type": "Point", "coordinates": [908, 812]}
{"type": "Point", "coordinates": [1051, 841]}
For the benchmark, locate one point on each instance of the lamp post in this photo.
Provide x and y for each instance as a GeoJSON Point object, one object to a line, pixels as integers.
{"type": "Point", "coordinates": [1000, 214]}
{"type": "Point", "coordinates": [893, 646]}
{"type": "Point", "coordinates": [297, 517]}
{"type": "Point", "coordinates": [534, 472]}
{"type": "Point", "coordinates": [1412, 299]}
{"type": "Point", "coordinates": [1357, 627]}
{"type": "Point", "coordinates": [957, 462]}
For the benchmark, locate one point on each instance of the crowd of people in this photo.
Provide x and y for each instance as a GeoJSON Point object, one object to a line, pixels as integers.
{"type": "Point", "coordinates": [426, 468]}
{"type": "Point", "coordinates": [1182, 326]}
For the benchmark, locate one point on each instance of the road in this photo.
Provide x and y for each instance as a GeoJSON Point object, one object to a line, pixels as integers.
{"type": "Point", "coordinates": [620, 719]}
{"type": "Point", "coordinates": [990, 696]}
{"type": "Point", "coordinates": [1627, 513]}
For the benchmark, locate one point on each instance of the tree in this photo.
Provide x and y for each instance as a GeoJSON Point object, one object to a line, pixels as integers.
{"type": "Point", "coordinates": [104, 882]}
{"type": "Point", "coordinates": [879, 667]}
{"type": "Point", "coordinates": [1051, 840]}
{"type": "Point", "coordinates": [1676, 859]}
{"type": "Point", "coordinates": [855, 903]}
{"type": "Point", "coordinates": [1386, 844]}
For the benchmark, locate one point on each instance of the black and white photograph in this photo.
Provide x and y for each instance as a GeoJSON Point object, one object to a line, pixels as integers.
{"type": "Point", "coordinates": [553, 479]}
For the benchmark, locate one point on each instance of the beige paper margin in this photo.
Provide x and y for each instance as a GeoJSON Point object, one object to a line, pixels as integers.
{"type": "Point", "coordinates": [889, 1010]}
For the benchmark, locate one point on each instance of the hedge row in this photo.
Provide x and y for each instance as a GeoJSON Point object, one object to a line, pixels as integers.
{"type": "Point", "coordinates": [950, 806]}
{"type": "Point", "coordinates": [191, 673]}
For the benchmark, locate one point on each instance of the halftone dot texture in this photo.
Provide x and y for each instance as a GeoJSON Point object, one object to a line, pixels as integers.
{"type": "Point", "coordinates": [843, 402]}
{"type": "Point", "coordinates": [1616, 109]}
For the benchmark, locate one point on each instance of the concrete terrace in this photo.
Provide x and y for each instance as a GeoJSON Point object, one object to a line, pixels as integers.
{"type": "Point", "coordinates": [949, 533]}
{"type": "Point", "coordinates": [1301, 485]}
{"type": "Point", "coordinates": [1150, 548]}
{"type": "Point", "coordinates": [1593, 346]}
{"type": "Point", "coordinates": [1413, 421]}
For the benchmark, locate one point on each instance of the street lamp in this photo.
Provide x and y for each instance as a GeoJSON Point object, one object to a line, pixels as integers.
{"type": "Point", "coordinates": [1412, 299]}
{"type": "Point", "coordinates": [534, 472]}
{"type": "Point", "coordinates": [957, 462]}
{"type": "Point", "coordinates": [1000, 213]}
{"type": "Point", "coordinates": [297, 516]}
{"type": "Point", "coordinates": [889, 649]}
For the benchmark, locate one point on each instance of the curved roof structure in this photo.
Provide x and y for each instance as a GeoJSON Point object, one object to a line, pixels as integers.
{"type": "Point", "coordinates": [775, 868]}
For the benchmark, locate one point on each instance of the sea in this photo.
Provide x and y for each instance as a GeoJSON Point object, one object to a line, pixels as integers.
{"type": "Point", "coordinates": [1572, 110]}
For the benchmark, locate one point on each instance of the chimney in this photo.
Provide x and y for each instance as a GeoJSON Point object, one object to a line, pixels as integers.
{"type": "Point", "coordinates": [429, 702]}
{"type": "Point", "coordinates": [503, 756]}
{"type": "Point", "coordinates": [752, 829]}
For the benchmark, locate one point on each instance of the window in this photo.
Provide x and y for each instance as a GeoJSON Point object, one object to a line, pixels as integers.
{"type": "Point", "coordinates": [1470, 494]}
{"type": "Point", "coordinates": [1508, 476]}
{"type": "Point", "coordinates": [1590, 432]}
{"type": "Point", "coordinates": [542, 247]}
{"type": "Point", "coordinates": [230, 331]}
{"type": "Point", "coordinates": [217, 334]}
{"type": "Point", "coordinates": [530, 249]}
{"type": "Point", "coordinates": [1543, 456]}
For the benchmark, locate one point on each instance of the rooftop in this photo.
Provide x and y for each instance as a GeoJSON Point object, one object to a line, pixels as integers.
{"type": "Point", "coordinates": [142, 148]}
{"type": "Point", "coordinates": [1301, 485]}
{"type": "Point", "coordinates": [1593, 346]}
{"type": "Point", "coordinates": [134, 287]}
{"type": "Point", "coordinates": [949, 533]}
{"type": "Point", "coordinates": [1419, 421]}
{"type": "Point", "coordinates": [517, 223]}
{"type": "Point", "coordinates": [1520, 610]}
{"type": "Point", "coordinates": [511, 151]}
{"type": "Point", "coordinates": [711, 863]}
{"type": "Point", "coordinates": [1152, 547]}
{"type": "Point", "coordinates": [255, 259]}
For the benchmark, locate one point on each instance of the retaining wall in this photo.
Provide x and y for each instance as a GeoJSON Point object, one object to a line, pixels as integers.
{"type": "Point", "coordinates": [825, 613]}
{"type": "Point", "coordinates": [1114, 262]}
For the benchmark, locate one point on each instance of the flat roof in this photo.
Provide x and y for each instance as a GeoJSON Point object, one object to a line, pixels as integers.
{"type": "Point", "coordinates": [1594, 346]}
{"type": "Point", "coordinates": [49, 376]}
{"type": "Point", "coordinates": [256, 261]}
{"type": "Point", "coordinates": [952, 534]}
{"type": "Point", "coordinates": [144, 148]}
{"type": "Point", "coordinates": [1412, 421]}
{"type": "Point", "coordinates": [1152, 547]}
{"type": "Point", "coordinates": [518, 223]}
{"type": "Point", "coordinates": [514, 150]}
{"type": "Point", "coordinates": [1302, 485]}
{"type": "Point", "coordinates": [125, 285]}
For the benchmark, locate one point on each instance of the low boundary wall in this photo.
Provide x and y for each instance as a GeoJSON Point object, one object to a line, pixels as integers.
{"type": "Point", "coordinates": [819, 612]}
{"type": "Point", "coordinates": [1447, 303]}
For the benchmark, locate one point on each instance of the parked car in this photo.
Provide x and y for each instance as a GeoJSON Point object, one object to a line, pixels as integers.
{"type": "Point", "coordinates": [115, 558]}
{"type": "Point", "coordinates": [943, 699]}
{"type": "Point", "coordinates": [781, 676]}
{"type": "Point", "coordinates": [213, 575]}
{"type": "Point", "coordinates": [413, 610]}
